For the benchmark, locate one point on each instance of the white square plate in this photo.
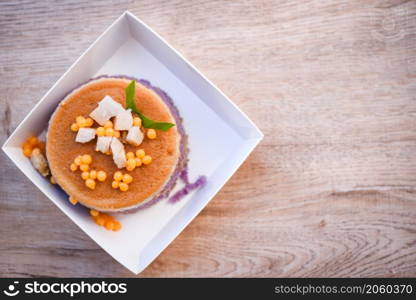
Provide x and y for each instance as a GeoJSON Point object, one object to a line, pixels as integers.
{"type": "Point", "coordinates": [220, 136]}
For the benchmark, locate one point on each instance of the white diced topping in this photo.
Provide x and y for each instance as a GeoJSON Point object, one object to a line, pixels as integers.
{"type": "Point", "coordinates": [123, 120]}
{"type": "Point", "coordinates": [119, 155]}
{"type": "Point", "coordinates": [100, 115]}
{"type": "Point", "coordinates": [103, 144]}
{"type": "Point", "coordinates": [134, 136]}
{"type": "Point", "coordinates": [107, 108]}
{"type": "Point", "coordinates": [85, 135]}
{"type": "Point", "coordinates": [111, 105]}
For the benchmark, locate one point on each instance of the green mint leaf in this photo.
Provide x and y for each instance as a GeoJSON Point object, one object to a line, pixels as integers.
{"type": "Point", "coordinates": [146, 122]}
{"type": "Point", "coordinates": [131, 95]}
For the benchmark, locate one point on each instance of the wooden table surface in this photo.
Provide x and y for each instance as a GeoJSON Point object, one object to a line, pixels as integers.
{"type": "Point", "coordinates": [330, 191]}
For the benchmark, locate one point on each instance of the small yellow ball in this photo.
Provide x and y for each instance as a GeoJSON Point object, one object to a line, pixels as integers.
{"type": "Point", "coordinates": [77, 160]}
{"type": "Point", "coordinates": [73, 167]}
{"type": "Point", "coordinates": [129, 155]}
{"type": "Point", "coordinates": [93, 174]}
{"type": "Point", "coordinates": [127, 178]}
{"type": "Point", "coordinates": [137, 121]}
{"type": "Point", "coordinates": [147, 159]}
{"type": "Point", "coordinates": [90, 183]}
{"type": "Point", "coordinates": [109, 132]}
{"type": "Point", "coordinates": [101, 176]}
{"type": "Point", "coordinates": [85, 175]}
{"type": "Point", "coordinates": [123, 186]}
{"type": "Point", "coordinates": [86, 159]}
{"type": "Point", "coordinates": [89, 122]}
{"type": "Point", "coordinates": [108, 124]}
{"type": "Point", "coordinates": [118, 176]}
{"type": "Point", "coordinates": [130, 164]}
{"type": "Point", "coordinates": [140, 153]}
{"type": "Point", "coordinates": [84, 167]}
{"type": "Point", "coordinates": [74, 127]}
{"type": "Point", "coordinates": [138, 162]}
{"type": "Point", "coordinates": [151, 134]}
{"type": "Point", "coordinates": [100, 131]}
{"type": "Point", "coordinates": [80, 121]}
{"type": "Point", "coordinates": [115, 184]}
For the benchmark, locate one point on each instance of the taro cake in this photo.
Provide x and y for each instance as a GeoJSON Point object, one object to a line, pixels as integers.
{"type": "Point", "coordinates": [110, 157]}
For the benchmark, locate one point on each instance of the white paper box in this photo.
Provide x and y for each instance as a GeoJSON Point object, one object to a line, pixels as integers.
{"type": "Point", "coordinates": [220, 136]}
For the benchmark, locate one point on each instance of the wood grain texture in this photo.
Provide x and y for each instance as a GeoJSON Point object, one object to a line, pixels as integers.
{"type": "Point", "coordinates": [331, 190]}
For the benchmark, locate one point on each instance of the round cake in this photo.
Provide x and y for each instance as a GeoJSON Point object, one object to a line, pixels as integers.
{"type": "Point", "coordinates": [151, 182]}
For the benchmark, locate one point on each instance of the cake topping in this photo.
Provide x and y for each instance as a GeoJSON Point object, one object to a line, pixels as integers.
{"type": "Point", "coordinates": [89, 122]}
{"type": "Point", "coordinates": [85, 175]}
{"type": "Point", "coordinates": [124, 187]}
{"type": "Point", "coordinates": [127, 178]}
{"type": "Point", "coordinates": [73, 167]}
{"type": "Point", "coordinates": [81, 122]}
{"type": "Point", "coordinates": [93, 174]}
{"type": "Point", "coordinates": [103, 143]}
{"type": "Point", "coordinates": [118, 176]}
{"type": "Point", "coordinates": [140, 153]}
{"type": "Point", "coordinates": [90, 183]}
{"type": "Point", "coordinates": [119, 155]}
{"type": "Point", "coordinates": [138, 162]}
{"type": "Point", "coordinates": [134, 136]}
{"type": "Point", "coordinates": [147, 159]}
{"type": "Point", "coordinates": [137, 122]}
{"type": "Point", "coordinates": [108, 133]}
{"type": "Point", "coordinates": [86, 159]}
{"type": "Point", "coordinates": [101, 176]}
{"type": "Point", "coordinates": [84, 167]}
{"type": "Point", "coordinates": [77, 160]}
{"type": "Point", "coordinates": [123, 120]}
{"type": "Point", "coordinates": [108, 124]}
{"type": "Point", "coordinates": [84, 162]}
{"type": "Point", "coordinates": [121, 181]}
{"type": "Point", "coordinates": [115, 184]}
{"type": "Point", "coordinates": [151, 134]}
{"type": "Point", "coordinates": [100, 131]}
{"type": "Point", "coordinates": [107, 108]}
{"type": "Point", "coordinates": [85, 135]}
{"type": "Point", "coordinates": [130, 164]}
{"type": "Point", "coordinates": [146, 122]}
{"type": "Point", "coordinates": [74, 127]}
